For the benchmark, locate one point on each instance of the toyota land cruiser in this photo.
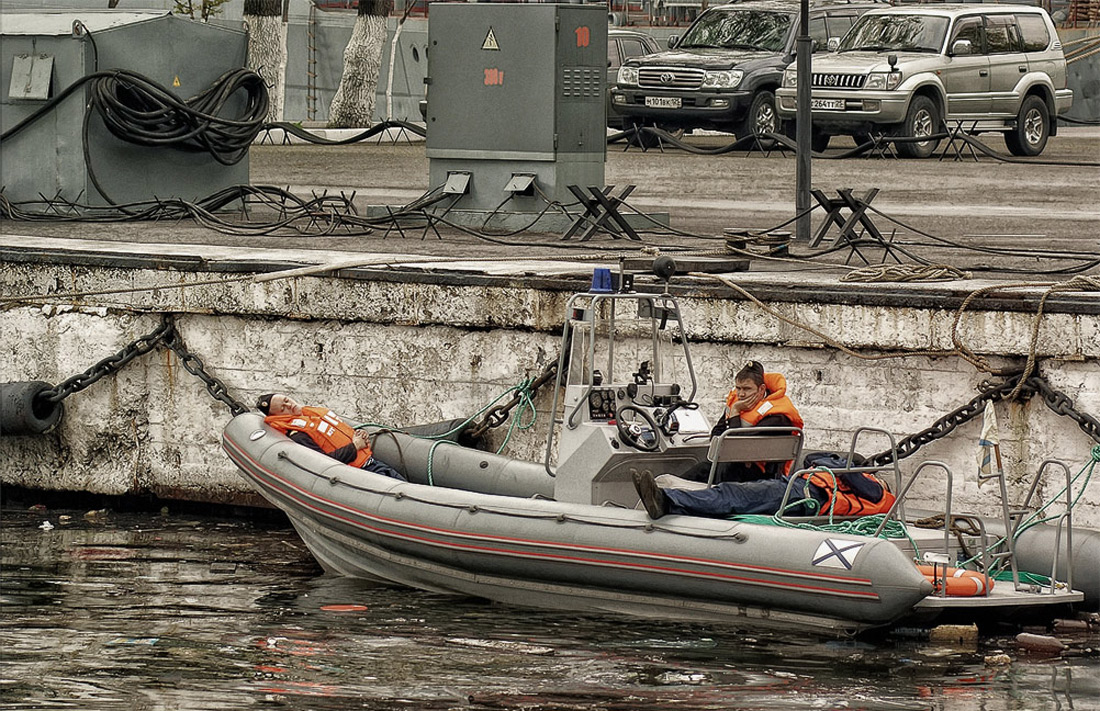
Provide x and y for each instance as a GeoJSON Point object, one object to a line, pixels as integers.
{"type": "Point", "coordinates": [723, 73]}
{"type": "Point", "coordinates": [917, 71]}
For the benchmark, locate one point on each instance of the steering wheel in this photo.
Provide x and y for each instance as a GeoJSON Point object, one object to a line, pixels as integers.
{"type": "Point", "coordinates": [630, 433]}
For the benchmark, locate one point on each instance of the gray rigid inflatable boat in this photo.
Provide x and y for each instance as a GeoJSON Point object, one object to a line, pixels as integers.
{"type": "Point", "coordinates": [519, 547]}
{"type": "Point", "coordinates": [566, 532]}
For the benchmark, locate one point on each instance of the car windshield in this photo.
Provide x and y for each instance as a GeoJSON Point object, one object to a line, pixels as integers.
{"type": "Point", "coordinates": [738, 29]}
{"type": "Point", "coordinates": [899, 33]}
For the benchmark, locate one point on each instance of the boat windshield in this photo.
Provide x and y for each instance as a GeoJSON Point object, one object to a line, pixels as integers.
{"type": "Point", "coordinates": [738, 29]}
{"type": "Point", "coordinates": [896, 33]}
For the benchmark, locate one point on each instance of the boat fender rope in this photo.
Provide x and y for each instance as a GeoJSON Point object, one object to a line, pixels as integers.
{"type": "Point", "coordinates": [23, 410]}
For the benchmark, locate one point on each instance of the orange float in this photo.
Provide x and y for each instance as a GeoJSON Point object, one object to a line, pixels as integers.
{"type": "Point", "coordinates": [959, 582]}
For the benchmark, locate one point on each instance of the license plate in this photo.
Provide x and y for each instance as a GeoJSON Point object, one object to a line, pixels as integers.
{"type": "Point", "coordinates": [827, 104]}
{"type": "Point", "coordinates": [663, 102]}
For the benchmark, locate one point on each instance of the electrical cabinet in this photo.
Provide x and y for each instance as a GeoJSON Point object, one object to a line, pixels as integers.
{"type": "Point", "coordinates": [516, 101]}
{"type": "Point", "coordinates": [67, 149]}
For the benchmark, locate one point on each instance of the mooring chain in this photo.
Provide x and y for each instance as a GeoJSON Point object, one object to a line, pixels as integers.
{"type": "Point", "coordinates": [499, 415]}
{"type": "Point", "coordinates": [1056, 400]}
{"type": "Point", "coordinates": [195, 366]}
{"type": "Point", "coordinates": [165, 334]}
{"type": "Point", "coordinates": [1062, 404]}
{"type": "Point", "coordinates": [109, 365]}
{"type": "Point", "coordinates": [946, 424]}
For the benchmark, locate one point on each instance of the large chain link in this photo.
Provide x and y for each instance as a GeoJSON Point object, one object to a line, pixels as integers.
{"type": "Point", "coordinates": [1056, 400]}
{"type": "Point", "coordinates": [499, 415]}
{"type": "Point", "coordinates": [111, 364]}
{"type": "Point", "coordinates": [195, 366]}
{"type": "Point", "coordinates": [165, 334]}
{"type": "Point", "coordinates": [1062, 404]}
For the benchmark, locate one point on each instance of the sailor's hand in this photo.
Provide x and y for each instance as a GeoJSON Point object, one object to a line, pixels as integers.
{"type": "Point", "coordinates": [747, 404]}
{"type": "Point", "coordinates": [360, 439]}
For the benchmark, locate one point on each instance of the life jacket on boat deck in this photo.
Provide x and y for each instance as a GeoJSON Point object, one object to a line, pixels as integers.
{"type": "Point", "coordinates": [324, 427]}
{"type": "Point", "coordinates": [776, 403]}
{"type": "Point", "coordinates": [851, 493]}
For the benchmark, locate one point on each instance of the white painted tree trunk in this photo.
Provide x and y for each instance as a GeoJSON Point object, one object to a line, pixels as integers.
{"type": "Point", "coordinates": [267, 57]}
{"type": "Point", "coordinates": [353, 105]}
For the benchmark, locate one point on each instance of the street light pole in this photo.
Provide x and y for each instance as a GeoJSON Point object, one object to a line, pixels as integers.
{"type": "Point", "coordinates": [803, 124]}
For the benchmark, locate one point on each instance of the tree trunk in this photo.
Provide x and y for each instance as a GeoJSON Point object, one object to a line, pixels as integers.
{"type": "Point", "coordinates": [353, 105]}
{"type": "Point", "coordinates": [267, 50]}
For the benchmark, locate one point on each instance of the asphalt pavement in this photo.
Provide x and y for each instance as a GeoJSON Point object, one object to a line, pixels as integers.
{"type": "Point", "coordinates": [1019, 220]}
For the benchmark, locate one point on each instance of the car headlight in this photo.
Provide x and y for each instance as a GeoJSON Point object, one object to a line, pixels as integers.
{"type": "Point", "coordinates": [627, 75]}
{"type": "Point", "coordinates": [726, 79]}
{"type": "Point", "coordinates": [790, 78]}
{"type": "Point", "coordinates": [883, 80]}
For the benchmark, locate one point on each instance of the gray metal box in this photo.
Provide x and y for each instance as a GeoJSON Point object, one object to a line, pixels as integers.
{"type": "Point", "coordinates": [41, 56]}
{"type": "Point", "coordinates": [517, 90]}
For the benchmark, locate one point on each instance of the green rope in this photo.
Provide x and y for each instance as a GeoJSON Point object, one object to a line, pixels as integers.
{"type": "Point", "coordinates": [864, 526]}
{"type": "Point", "coordinates": [1034, 519]}
{"type": "Point", "coordinates": [525, 406]}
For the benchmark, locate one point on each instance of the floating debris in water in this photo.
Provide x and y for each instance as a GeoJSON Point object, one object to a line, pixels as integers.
{"type": "Point", "coordinates": [46, 526]}
{"type": "Point", "coordinates": [344, 608]}
{"type": "Point", "coordinates": [502, 645]}
{"type": "Point", "coordinates": [954, 634]}
{"type": "Point", "coordinates": [1041, 643]}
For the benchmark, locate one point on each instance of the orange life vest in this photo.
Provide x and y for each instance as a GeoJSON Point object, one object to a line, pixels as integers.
{"type": "Point", "coordinates": [324, 427]}
{"type": "Point", "coordinates": [776, 403]}
{"type": "Point", "coordinates": [843, 500]}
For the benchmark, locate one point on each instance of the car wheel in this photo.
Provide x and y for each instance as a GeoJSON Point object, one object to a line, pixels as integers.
{"type": "Point", "coordinates": [1029, 138]}
{"type": "Point", "coordinates": [922, 120]}
{"type": "Point", "coordinates": [761, 117]}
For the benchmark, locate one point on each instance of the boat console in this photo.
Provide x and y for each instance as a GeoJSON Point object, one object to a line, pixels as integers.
{"type": "Point", "coordinates": [628, 404]}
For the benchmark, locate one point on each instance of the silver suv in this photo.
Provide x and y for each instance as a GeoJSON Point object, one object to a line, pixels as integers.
{"type": "Point", "coordinates": [914, 71]}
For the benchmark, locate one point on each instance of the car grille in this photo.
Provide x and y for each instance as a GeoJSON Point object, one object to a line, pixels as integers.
{"type": "Point", "coordinates": [839, 81]}
{"type": "Point", "coordinates": [669, 78]}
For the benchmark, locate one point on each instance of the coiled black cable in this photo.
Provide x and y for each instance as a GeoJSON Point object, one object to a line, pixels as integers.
{"type": "Point", "coordinates": [138, 110]}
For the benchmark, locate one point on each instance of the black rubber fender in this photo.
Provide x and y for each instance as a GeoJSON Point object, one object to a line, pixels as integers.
{"type": "Point", "coordinates": [23, 412]}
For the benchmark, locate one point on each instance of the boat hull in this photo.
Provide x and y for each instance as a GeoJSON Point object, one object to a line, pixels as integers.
{"type": "Point", "coordinates": [541, 552]}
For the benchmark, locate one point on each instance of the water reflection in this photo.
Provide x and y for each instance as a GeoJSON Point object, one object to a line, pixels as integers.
{"type": "Point", "coordinates": [167, 612]}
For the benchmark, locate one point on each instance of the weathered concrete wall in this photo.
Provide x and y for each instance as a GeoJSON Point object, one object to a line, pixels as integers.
{"type": "Point", "coordinates": [403, 352]}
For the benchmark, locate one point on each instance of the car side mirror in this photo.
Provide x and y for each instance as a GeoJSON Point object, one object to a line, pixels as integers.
{"type": "Point", "coordinates": [673, 40]}
{"type": "Point", "coordinates": [834, 44]}
{"type": "Point", "coordinates": [962, 47]}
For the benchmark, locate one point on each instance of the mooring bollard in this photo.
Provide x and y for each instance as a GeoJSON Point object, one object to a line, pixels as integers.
{"type": "Point", "coordinates": [23, 411]}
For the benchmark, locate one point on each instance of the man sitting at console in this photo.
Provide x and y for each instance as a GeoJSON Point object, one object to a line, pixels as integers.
{"type": "Point", "coordinates": [322, 430]}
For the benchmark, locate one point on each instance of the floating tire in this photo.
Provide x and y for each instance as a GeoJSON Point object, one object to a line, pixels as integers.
{"type": "Point", "coordinates": [23, 412]}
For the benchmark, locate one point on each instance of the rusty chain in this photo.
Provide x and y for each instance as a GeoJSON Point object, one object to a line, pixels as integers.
{"type": "Point", "coordinates": [165, 334]}
{"type": "Point", "coordinates": [1056, 400]}
{"type": "Point", "coordinates": [195, 366]}
{"type": "Point", "coordinates": [109, 365]}
{"type": "Point", "coordinates": [499, 415]}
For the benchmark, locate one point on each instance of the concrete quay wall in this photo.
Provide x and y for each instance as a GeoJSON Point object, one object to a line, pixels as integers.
{"type": "Point", "coordinates": [402, 348]}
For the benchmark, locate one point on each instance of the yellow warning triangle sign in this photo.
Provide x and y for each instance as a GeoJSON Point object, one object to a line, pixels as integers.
{"type": "Point", "coordinates": [176, 82]}
{"type": "Point", "coordinates": [490, 41]}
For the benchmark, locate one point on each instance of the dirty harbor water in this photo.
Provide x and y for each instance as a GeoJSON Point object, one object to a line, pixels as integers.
{"type": "Point", "coordinates": [176, 611]}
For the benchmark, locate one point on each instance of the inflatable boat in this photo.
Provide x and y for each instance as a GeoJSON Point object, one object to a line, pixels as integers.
{"type": "Point", "coordinates": [568, 532]}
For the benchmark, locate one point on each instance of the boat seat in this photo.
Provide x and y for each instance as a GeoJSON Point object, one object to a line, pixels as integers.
{"type": "Point", "coordinates": [755, 444]}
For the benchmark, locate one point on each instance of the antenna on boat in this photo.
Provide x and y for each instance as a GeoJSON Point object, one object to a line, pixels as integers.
{"type": "Point", "coordinates": [664, 268]}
